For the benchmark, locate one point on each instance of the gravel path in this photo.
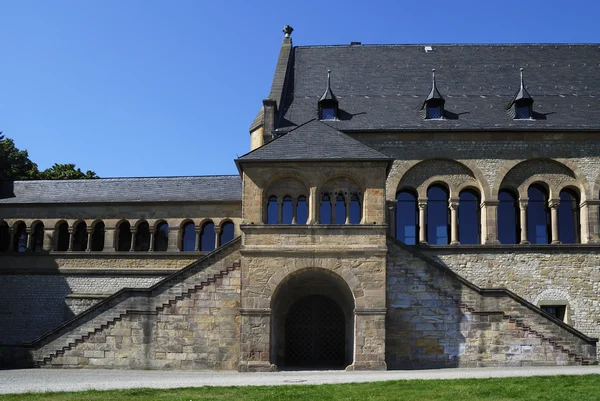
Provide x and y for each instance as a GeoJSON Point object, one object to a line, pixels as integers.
{"type": "Point", "coordinates": [27, 380]}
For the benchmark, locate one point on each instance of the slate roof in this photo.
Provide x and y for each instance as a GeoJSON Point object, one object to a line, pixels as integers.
{"type": "Point", "coordinates": [381, 87]}
{"type": "Point", "coordinates": [219, 188]}
{"type": "Point", "coordinates": [314, 140]}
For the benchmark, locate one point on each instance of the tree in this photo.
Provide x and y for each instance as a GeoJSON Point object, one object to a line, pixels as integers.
{"type": "Point", "coordinates": [16, 165]}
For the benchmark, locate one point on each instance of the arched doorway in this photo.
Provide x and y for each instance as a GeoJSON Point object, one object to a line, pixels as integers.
{"type": "Point", "coordinates": [312, 321]}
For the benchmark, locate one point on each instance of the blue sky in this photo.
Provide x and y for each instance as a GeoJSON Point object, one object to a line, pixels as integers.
{"type": "Point", "coordinates": [152, 88]}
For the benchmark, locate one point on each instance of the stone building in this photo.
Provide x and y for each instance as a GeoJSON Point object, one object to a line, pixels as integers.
{"type": "Point", "coordinates": [387, 216]}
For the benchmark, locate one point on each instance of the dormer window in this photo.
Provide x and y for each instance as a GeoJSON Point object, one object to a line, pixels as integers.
{"type": "Point", "coordinates": [521, 106]}
{"type": "Point", "coordinates": [328, 104]}
{"type": "Point", "coordinates": [434, 104]}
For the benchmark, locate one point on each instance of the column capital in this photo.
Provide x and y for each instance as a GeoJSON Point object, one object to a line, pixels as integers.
{"type": "Point", "coordinates": [70, 230]}
{"type": "Point", "coordinates": [553, 203]}
{"type": "Point", "coordinates": [28, 230]}
{"type": "Point", "coordinates": [490, 203]}
{"type": "Point", "coordinates": [523, 203]}
{"type": "Point", "coordinates": [453, 205]}
{"type": "Point", "coordinates": [90, 230]}
{"type": "Point", "coordinates": [422, 204]}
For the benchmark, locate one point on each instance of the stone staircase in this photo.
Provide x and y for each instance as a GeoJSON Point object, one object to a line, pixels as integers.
{"type": "Point", "coordinates": [135, 301]}
{"type": "Point", "coordinates": [486, 310]}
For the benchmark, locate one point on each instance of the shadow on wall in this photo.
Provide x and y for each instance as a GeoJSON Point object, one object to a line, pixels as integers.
{"type": "Point", "coordinates": [33, 300]}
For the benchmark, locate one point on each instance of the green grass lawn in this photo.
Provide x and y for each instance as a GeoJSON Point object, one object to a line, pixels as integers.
{"type": "Point", "coordinates": [559, 388]}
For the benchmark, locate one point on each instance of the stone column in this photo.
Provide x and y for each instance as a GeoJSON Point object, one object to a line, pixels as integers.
{"type": "Point", "coordinates": [391, 217]}
{"type": "Point", "coordinates": [453, 206]}
{"type": "Point", "coordinates": [11, 247]}
{"type": "Point", "coordinates": [71, 230]}
{"type": "Point", "coordinates": [523, 217]}
{"type": "Point", "coordinates": [133, 232]}
{"type": "Point", "coordinates": [554, 204]}
{"type": "Point", "coordinates": [422, 216]}
{"type": "Point", "coordinates": [88, 247]}
{"type": "Point", "coordinates": [294, 209]}
{"type": "Point", "coordinates": [198, 230]}
{"type": "Point", "coordinates": [151, 245]}
{"type": "Point", "coordinates": [47, 241]}
{"type": "Point", "coordinates": [489, 226]}
{"type": "Point", "coordinates": [369, 340]}
{"type": "Point", "coordinates": [588, 220]}
{"type": "Point", "coordinates": [347, 203]}
{"type": "Point", "coordinates": [332, 202]}
{"type": "Point", "coordinates": [256, 342]}
{"type": "Point", "coordinates": [173, 245]}
{"type": "Point", "coordinates": [279, 211]}
{"type": "Point", "coordinates": [28, 234]}
{"type": "Point", "coordinates": [109, 239]}
{"type": "Point", "coordinates": [217, 237]}
{"type": "Point", "coordinates": [312, 206]}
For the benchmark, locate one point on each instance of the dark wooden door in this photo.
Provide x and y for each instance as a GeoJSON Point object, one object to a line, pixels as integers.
{"type": "Point", "coordinates": [315, 334]}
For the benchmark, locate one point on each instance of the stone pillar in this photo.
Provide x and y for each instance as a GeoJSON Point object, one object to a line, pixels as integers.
{"type": "Point", "coordinates": [333, 202]}
{"type": "Point", "coordinates": [256, 343]}
{"type": "Point", "coordinates": [422, 216]}
{"type": "Point", "coordinates": [28, 239]}
{"type": "Point", "coordinates": [523, 217]}
{"type": "Point", "coordinates": [198, 230]}
{"type": "Point", "coordinates": [489, 226]}
{"type": "Point", "coordinates": [347, 203]}
{"type": "Point", "coordinates": [151, 245]}
{"type": "Point", "coordinates": [553, 204]}
{"type": "Point", "coordinates": [88, 247]}
{"type": "Point", "coordinates": [588, 220]}
{"type": "Point", "coordinates": [312, 206]}
{"type": "Point", "coordinates": [294, 209]}
{"type": "Point", "coordinates": [133, 232]}
{"type": "Point", "coordinates": [173, 245]}
{"type": "Point", "coordinates": [217, 237]}
{"type": "Point", "coordinates": [11, 247]}
{"type": "Point", "coordinates": [391, 217]}
{"type": "Point", "coordinates": [47, 241]}
{"type": "Point", "coordinates": [453, 206]}
{"type": "Point", "coordinates": [71, 230]}
{"type": "Point", "coordinates": [110, 237]}
{"type": "Point", "coordinates": [279, 211]}
{"type": "Point", "coordinates": [369, 340]}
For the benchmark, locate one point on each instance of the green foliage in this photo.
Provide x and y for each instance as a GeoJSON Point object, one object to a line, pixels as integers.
{"type": "Point", "coordinates": [16, 165]}
{"type": "Point", "coordinates": [549, 388]}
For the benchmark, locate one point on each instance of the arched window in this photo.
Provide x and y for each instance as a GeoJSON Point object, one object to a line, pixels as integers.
{"type": "Point", "coordinates": [438, 226]}
{"type": "Point", "coordinates": [226, 235]}
{"type": "Point", "coordinates": [20, 244]}
{"type": "Point", "coordinates": [407, 217]}
{"type": "Point", "coordinates": [301, 210]}
{"type": "Point", "coordinates": [80, 237]}
{"type": "Point", "coordinates": [37, 237]}
{"type": "Point", "coordinates": [468, 217]}
{"type": "Point", "coordinates": [98, 237]}
{"type": "Point", "coordinates": [568, 217]}
{"type": "Point", "coordinates": [142, 237]}
{"type": "Point", "coordinates": [509, 228]}
{"type": "Point", "coordinates": [62, 241]}
{"type": "Point", "coordinates": [355, 214]}
{"type": "Point", "coordinates": [538, 215]}
{"type": "Point", "coordinates": [272, 211]}
{"type": "Point", "coordinates": [287, 212]}
{"type": "Point", "coordinates": [124, 238]}
{"type": "Point", "coordinates": [161, 237]}
{"type": "Point", "coordinates": [188, 237]}
{"type": "Point", "coordinates": [207, 237]}
{"type": "Point", "coordinates": [4, 237]}
{"type": "Point", "coordinates": [325, 210]}
{"type": "Point", "coordinates": [340, 209]}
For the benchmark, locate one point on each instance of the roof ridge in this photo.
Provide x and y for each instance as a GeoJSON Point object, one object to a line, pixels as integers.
{"type": "Point", "coordinates": [166, 177]}
{"type": "Point", "coordinates": [447, 45]}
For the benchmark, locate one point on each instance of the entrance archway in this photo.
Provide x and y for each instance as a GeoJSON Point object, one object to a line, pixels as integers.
{"type": "Point", "coordinates": [312, 314]}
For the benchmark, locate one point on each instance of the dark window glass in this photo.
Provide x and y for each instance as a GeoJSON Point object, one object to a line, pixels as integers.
{"type": "Point", "coordinates": [20, 244]}
{"type": "Point", "coordinates": [568, 217]}
{"type": "Point", "coordinates": [557, 311]}
{"type": "Point", "coordinates": [407, 217]}
{"type": "Point", "coordinates": [272, 211]}
{"type": "Point", "coordinates": [522, 112]}
{"type": "Point", "coordinates": [98, 237]}
{"type": "Point", "coordinates": [302, 210]}
{"type": "Point", "coordinates": [207, 238]}
{"type": "Point", "coordinates": [80, 237]}
{"type": "Point", "coordinates": [434, 112]}
{"type": "Point", "coordinates": [437, 215]}
{"type": "Point", "coordinates": [509, 230]}
{"type": "Point", "coordinates": [468, 217]}
{"type": "Point", "coordinates": [142, 237]}
{"type": "Point", "coordinates": [227, 231]}
{"type": "Point", "coordinates": [4, 237]}
{"type": "Point", "coordinates": [327, 114]}
{"type": "Point", "coordinates": [62, 242]}
{"type": "Point", "coordinates": [538, 216]}
{"type": "Point", "coordinates": [161, 237]}
{"type": "Point", "coordinates": [287, 212]}
{"type": "Point", "coordinates": [37, 238]}
{"type": "Point", "coordinates": [188, 237]}
{"type": "Point", "coordinates": [340, 210]}
{"type": "Point", "coordinates": [355, 214]}
{"type": "Point", "coordinates": [325, 210]}
{"type": "Point", "coordinates": [124, 241]}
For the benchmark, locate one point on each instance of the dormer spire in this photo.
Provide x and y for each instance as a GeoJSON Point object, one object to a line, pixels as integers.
{"type": "Point", "coordinates": [328, 104]}
{"type": "Point", "coordinates": [521, 104]}
{"type": "Point", "coordinates": [434, 103]}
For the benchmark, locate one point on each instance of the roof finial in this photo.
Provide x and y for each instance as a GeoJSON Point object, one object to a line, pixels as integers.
{"type": "Point", "coordinates": [287, 30]}
{"type": "Point", "coordinates": [522, 84]}
{"type": "Point", "coordinates": [433, 76]}
{"type": "Point", "coordinates": [328, 79]}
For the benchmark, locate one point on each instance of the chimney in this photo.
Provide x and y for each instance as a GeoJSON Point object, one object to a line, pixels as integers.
{"type": "Point", "coordinates": [269, 115]}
